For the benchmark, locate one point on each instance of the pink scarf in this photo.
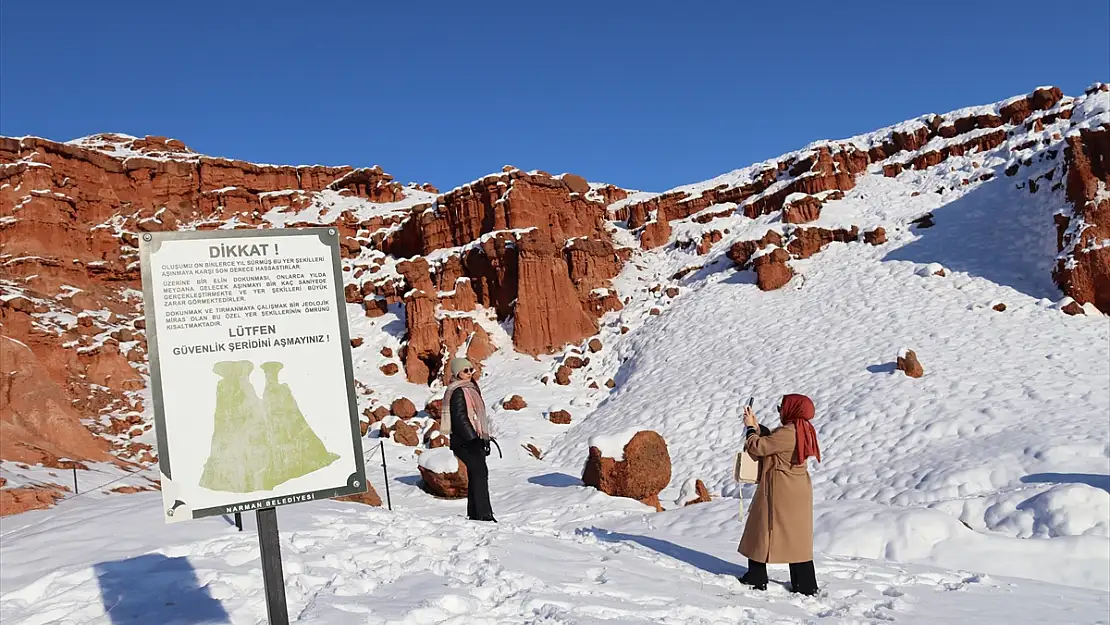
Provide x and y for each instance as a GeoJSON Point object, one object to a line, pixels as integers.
{"type": "Point", "coordinates": [475, 408]}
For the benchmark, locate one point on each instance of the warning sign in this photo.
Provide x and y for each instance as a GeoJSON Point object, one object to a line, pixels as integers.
{"type": "Point", "coordinates": [250, 369]}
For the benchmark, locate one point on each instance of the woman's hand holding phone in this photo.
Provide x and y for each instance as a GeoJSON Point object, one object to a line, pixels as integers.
{"type": "Point", "coordinates": [749, 415]}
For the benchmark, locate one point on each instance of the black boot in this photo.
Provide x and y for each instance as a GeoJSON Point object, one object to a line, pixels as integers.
{"type": "Point", "coordinates": [756, 577]}
{"type": "Point", "coordinates": [803, 578]}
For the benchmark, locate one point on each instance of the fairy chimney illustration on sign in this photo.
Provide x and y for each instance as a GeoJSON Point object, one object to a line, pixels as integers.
{"type": "Point", "coordinates": [258, 444]}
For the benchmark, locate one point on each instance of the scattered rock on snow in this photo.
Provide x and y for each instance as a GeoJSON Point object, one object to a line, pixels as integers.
{"type": "Point", "coordinates": [404, 433]}
{"type": "Point", "coordinates": [356, 341]}
{"type": "Point", "coordinates": [376, 414]}
{"type": "Point", "coordinates": [907, 362]}
{"type": "Point", "coordinates": [640, 471]}
{"type": "Point", "coordinates": [535, 451]}
{"type": "Point", "coordinates": [389, 368]}
{"type": "Point", "coordinates": [932, 269]}
{"type": "Point", "coordinates": [562, 375]}
{"type": "Point", "coordinates": [387, 352]}
{"type": "Point", "coordinates": [574, 362]}
{"type": "Point", "coordinates": [1000, 307]}
{"type": "Point", "coordinates": [561, 417]}
{"type": "Point", "coordinates": [403, 408]}
{"type": "Point", "coordinates": [434, 408]}
{"type": "Point", "coordinates": [594, 345]}
{"type": "Point", "coordinates": [611, 383]}
{"type": "Point", "coordinates": [876, 236]}
{"type": "Point", "coordinates": [442, 473]}
{"type": "Point", "coordinates": [1071, 307]}
{"type": "Point", "coordinates": [370, 497]}
{"type": "Point", "coordinates": [655, 311]}
{"type": "Point", "coordinates": [693, 491]}
{"type": "Point", "coordinates": [516, 402]}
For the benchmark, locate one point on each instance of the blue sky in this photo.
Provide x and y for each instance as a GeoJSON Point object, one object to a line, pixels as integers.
{"type": "Point", "coordinates": [646, 95]}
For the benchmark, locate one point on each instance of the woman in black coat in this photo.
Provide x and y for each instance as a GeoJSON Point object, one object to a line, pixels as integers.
{"type": "Point", "coordinates": [468, 429]}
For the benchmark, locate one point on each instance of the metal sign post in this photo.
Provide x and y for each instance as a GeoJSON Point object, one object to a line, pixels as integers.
{"type": "Point", "coordinates": [272, 578]}
{"type": "Point", "coordinates": [385, 473]}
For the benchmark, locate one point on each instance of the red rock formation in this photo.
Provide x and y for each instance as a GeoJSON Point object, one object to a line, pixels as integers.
{"type": "Point", "coordinates": [548, 313]}
{"type": "Point", "coordinates": [591, 263]}
{"type": "Point", "coordinates": [802, 209]}
{"type": "Point", "coordinates": [1083, 237]}
{"type": "Point", "coordinates": [771, 270]}
{"type": "Point", "coordinates": [509, 200]}
{"type": "Point", "coordinates": [908, 363]}
{"type": "Point", "coordinates": [422, 352]}
{"type": "Point", "coordinates": [805, 242]}
{"type": "Point", "coordinates": [16, 500]}
{"type": "Point", "coordinates": [656, 234]}
{"type": "Point", "coordinates": [1018, 110]}
{"type": "Point", "coordinates": [708, 240]}
{"type": "Point", "coordinates": [641, 475]}
{"type": "Point", "coordinates": [36, 418]}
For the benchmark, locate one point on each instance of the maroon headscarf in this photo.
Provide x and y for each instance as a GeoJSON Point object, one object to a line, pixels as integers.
{"type": "Point", "coordinates": [799, 410]}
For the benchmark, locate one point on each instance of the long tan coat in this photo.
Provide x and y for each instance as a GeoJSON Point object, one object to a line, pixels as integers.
{"type": "Point", "coordinates": [779, 529]}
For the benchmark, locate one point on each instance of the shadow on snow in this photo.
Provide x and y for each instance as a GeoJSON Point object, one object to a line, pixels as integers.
{"type": "Point", "coordinates": [704, 561]}
{"type": "Point", "coordinates": [153, 588]}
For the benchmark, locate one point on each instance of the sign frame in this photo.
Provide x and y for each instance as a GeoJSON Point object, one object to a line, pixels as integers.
{"type": "Point", "coordinates": [150, 242]}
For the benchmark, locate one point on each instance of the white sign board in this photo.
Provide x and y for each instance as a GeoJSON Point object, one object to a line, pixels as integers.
{"type": "Point", "coordinates": [250, 368]}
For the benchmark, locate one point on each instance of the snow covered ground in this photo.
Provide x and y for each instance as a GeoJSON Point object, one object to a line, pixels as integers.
{"type": "Point", "coordinates": [562, 553]}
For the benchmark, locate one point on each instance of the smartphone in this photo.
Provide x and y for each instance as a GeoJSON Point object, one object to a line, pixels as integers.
{"type": "Point", "coordinates": [751, 400]}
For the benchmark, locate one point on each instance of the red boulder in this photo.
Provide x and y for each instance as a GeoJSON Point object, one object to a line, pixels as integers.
{"type": "Point", "coordinates": [641, 473]}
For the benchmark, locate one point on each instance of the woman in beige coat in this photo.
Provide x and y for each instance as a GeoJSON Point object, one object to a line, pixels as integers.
{"type": "Point", "coordinates": [779, 529]}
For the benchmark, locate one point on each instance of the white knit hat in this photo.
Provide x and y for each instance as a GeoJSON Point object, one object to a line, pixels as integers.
{"type": "Point", "coordinates": [460, 364]}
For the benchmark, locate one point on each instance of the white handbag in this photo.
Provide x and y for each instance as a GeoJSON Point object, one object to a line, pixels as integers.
{"type": "Point", "coordinates": [746, 469]}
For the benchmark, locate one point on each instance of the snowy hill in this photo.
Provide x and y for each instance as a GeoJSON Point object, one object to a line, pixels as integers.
{"type": "Point", "coordinates": [980, 490]}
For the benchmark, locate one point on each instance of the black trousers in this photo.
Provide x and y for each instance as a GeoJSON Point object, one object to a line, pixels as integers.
{"type": "Point", "coordinates": [803, 577]}
{"type": "Point", "coordinates": [473, 455]}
